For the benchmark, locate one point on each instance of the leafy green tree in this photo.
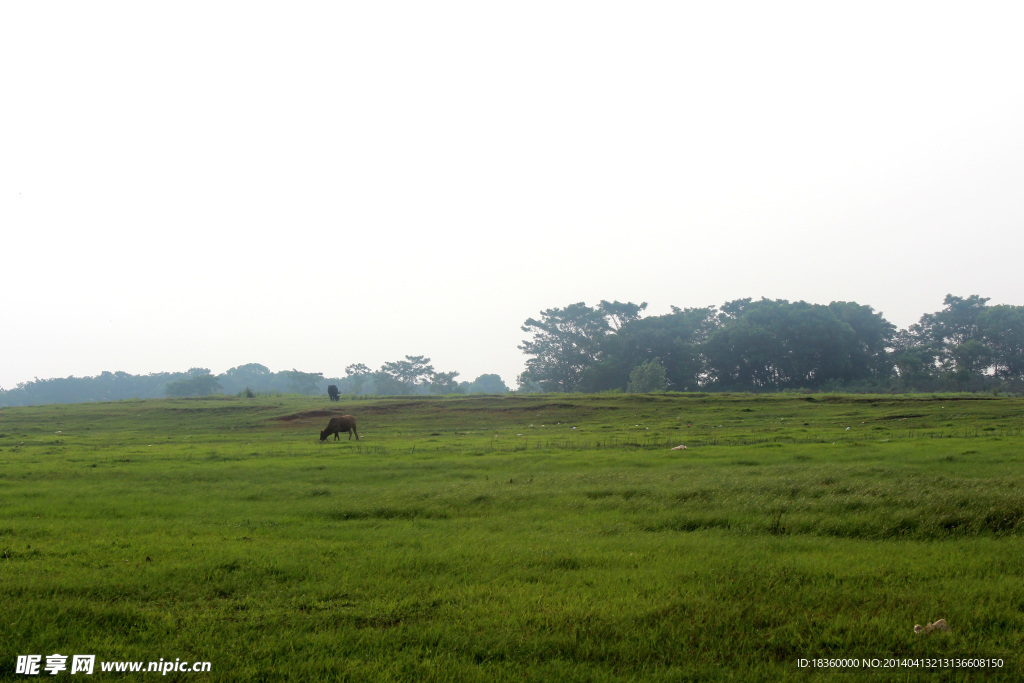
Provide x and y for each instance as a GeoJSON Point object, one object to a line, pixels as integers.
{"type": "Point", "coordinates": [957, 322]}
{"type": "Point", "coordinates": [304, 382]}
{"type": "Point", "coordinates": [956, 337]}
{"type": "Point", "coordinates": [527, 384]}
{"type": "Point", "coordinates": [675, 339]}
{"type": "Point", "coordinates": [445, 383]}
{"type": "Point", "coordinates": [1002, 329]}
{"type": "Point", "coordinates": [614, 358]}
{"type": "Point", "coordinates": [769, 345]}
{"type": "Point", "coordinates": [732, 310]}
{"type": "Point", "coordinates": [251, 376]}
{"type": "Point", "coordinates": [199, 383]}
{"type": "Point", "coordinates": [740, 356]}
{"type": "Point", "coordinates": [564, 343]}
{"type": "Point", "coordinates": [487, 384]}
{"type": "Point", "coordinates": [969, 362]}
{"type": "Point", "coordinates": [647, 377]}
{"type": "Point", "coordinates": [915, 360]}
{"type": "Point", "coordinates": [871, 356]}
{"type": "Point", "coordinates": [611, 370]}
{"type": "Point", "coordinates": [406, 376]}
{"type": "Point", "coordinates": [385, 384]}
{"type": "Point", "coordinates": [620, 314]}
{"type": "Point", "coordinates": [357, 369]}
{"type": "Point", "coordinates": [358, 376]}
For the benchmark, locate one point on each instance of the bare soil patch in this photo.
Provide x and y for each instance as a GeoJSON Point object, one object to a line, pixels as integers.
{"type": "Point", "coordinates": [308, 414]}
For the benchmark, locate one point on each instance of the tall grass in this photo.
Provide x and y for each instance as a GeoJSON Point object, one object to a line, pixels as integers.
{"type": "Point", "coordinates": [540, 538]}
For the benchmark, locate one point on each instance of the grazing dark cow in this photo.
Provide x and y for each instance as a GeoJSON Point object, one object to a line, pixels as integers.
{"type": "Point", "coordinates": [345, 423]}
{"type": "Point", "coordinates": [332, 391]}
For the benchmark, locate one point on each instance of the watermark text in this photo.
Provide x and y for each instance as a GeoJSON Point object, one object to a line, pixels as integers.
{"type": "Point", "coordinates": [41, 665]}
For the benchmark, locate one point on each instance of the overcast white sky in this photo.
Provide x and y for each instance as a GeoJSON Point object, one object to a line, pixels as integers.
{"type": "Point", "coordinates": [313, 184]}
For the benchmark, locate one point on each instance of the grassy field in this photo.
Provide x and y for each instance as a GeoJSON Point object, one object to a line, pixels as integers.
{"type": "Point", "coordinates": [517, 538]}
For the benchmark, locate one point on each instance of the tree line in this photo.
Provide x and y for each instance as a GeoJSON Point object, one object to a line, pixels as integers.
{"type": "Point", "coordinates": [774, 345]}
{"type": "Point", "coordinates": [743, 345]}
{"type": "Point", "coordinates": [411, 375]}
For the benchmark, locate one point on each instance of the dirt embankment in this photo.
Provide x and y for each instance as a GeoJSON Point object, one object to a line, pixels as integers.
{"type": "Point", "coordinates": [307, 415]}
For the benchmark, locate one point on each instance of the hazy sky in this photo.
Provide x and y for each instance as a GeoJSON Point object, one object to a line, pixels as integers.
{"type": "Point", "coordinates": [313, 184]}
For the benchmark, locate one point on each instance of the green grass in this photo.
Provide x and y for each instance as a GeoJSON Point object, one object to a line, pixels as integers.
{"type": "Point", "coordinates": [515, 538]}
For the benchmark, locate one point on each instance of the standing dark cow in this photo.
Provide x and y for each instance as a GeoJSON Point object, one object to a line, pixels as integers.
{"type": "Point", "coordinates": [345, 423]}
{"type": "Point", "coordinates": [332, 391]}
